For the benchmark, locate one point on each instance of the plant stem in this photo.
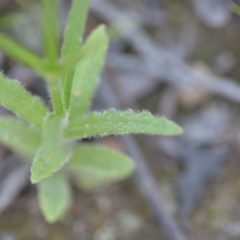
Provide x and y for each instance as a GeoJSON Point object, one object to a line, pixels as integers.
{"type": "Point", "coordinates": [50, 30]}
{"type": "Point", "coordinates": [55, 91]}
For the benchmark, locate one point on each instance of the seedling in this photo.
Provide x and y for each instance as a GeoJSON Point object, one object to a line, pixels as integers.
{"type": "Point", "coordinates": [48, 136]}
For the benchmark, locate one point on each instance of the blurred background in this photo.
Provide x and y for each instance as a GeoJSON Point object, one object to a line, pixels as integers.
{"type": "Point", "coordinates": [177, 58]}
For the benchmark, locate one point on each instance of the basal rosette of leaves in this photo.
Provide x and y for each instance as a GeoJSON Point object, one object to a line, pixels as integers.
{"type": "Point", "coordinates": [49, 136]}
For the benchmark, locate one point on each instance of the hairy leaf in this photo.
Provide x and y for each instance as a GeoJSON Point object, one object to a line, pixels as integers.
{"type": "Point", "coordinates": [54, 196]}
{"type": "Point", "coordinates": [116, 122]}
{"type": "Point", "coordinates": [53, 154]}
{"type": "Point", "coordinates": [21, 54]}
{"type": "Point", "coordinates": [20, 137]}
{"type": "Point", "coordinates": [94, 165]}
{"type": "Point", "coordinates": [14, 97]}
{"type": "Point", "coordinates": [71, 44]}
{"type": "Point", "coordinates": [86, 78]}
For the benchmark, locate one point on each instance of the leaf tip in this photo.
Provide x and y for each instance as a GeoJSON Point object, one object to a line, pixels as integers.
{"type": "Point", "coordinates": [33, 179]}
{"type": "Point", "coordinates": [51, 219]}
{"type": "Point", "coordinates": [177, 129]}
{"type": "Point", "coordinates": [36, 174]}
{"type": "Point", "coordinates": [174, 129]}
{"type": "Point", "coordinates": [102, 30]}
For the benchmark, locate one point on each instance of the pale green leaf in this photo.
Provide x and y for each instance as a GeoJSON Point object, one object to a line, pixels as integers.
{"type": "Point", "coordinates": [54, 196]}
{"type": "Point", "coordinates": [21, 54]}
{"type": "Point", "coordinates": [116, 122]}
{"type": "Point", "coordinates": [72, 42]}
{"type": "Point", "coordinates": [53, 154]}
{"type": "Point", "coordinates": [93, 165]}
{"type": "Point", "coordinates": [20, 137]}
{"type": "Point", "coordinates": [50, 30]}
{"type": "Point", "coordinates": [14, 97]}
{"type": "Point", "coordinates": [86, 77]}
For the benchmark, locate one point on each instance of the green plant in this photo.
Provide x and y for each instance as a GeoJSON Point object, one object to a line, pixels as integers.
{"type": "Point", "coordinates": [49, 136]}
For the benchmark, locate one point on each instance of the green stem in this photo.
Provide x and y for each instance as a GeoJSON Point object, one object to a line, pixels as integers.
{"type": "Point", "coordinates": [50, 30]}
{"type": "Point", "coordinates": [55, 91]}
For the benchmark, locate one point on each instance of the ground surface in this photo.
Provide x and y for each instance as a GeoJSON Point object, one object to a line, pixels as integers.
{"type": "Point", "coordinates": [188, 70]}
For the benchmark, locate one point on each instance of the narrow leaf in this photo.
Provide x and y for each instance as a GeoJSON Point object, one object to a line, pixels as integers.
{"type": "Point", "coordinates": [116, 122]}
{"type": "Point", "coordinates": [54, 196]}
{"type": "Point", "coordinates": [53, 154]}
{"type": "Point", "coordinates": [93, 166]}
{"type": "Point", "coordinates": [20, 137]}
{"type": "Point", "coordinates": [86, 77]}
{"type": "Point", "coordinates": [50, 30]}
{"type": "Point", "coordinates": [72, 42]}
{"type": "Point", "coordinates": [21, 54]}
{"type": "Point", "coordinates": [14, 97]}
